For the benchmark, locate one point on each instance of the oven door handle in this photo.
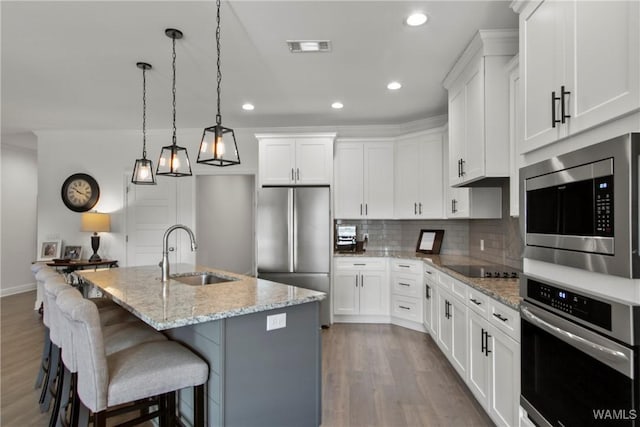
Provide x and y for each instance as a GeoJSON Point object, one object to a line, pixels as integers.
{"type": "Point", "coordinates": [568, 337]}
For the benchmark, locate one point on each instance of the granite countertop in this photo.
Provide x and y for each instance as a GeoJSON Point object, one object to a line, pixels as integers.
{"type": "Point", "coordinates": [507, 291]}
{"type": "Point", "coordinates": [140, 291]}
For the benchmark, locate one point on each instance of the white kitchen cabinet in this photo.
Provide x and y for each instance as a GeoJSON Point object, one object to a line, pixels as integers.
{"type": "Point", "coordinates": [494, 367]}
{"type": "Point", "coordinates": [295, 159]}
{"type": "Point", "coordinates": [452, 330]}
{"type": "Point", "coordinates": [474, 202]}
{"type": "Point", "coordinates": [406, 292]}
{"type": "Point", "coordinates": [364, 179]}
{"type": "Point", "coordinates": [430, 301]}
{"type": "Point", "coordinates": [478, 108]}
{"type": "Point", "coordinates": [419, 177]}
{"type": "Point", "coordinates": [360, 287]}
{"type": "Point", "coordinates": [576, 75]}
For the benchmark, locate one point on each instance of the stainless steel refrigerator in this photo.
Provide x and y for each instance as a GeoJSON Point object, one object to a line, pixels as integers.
{"type": "Point", "coordinates": [294, 239]}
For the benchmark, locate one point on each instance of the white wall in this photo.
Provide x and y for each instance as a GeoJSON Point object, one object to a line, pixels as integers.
{"type": "Point", "coordinates": [19, 189]}
{"type": "Point", "coordinates": [108, 156]}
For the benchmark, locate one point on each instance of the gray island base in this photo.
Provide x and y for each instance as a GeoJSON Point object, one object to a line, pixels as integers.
{"type": "Point", "coordinates": [262, 373]}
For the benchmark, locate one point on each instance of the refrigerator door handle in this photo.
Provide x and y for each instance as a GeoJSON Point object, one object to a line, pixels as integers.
{"type": "Point", "coordinates": [292, 250]}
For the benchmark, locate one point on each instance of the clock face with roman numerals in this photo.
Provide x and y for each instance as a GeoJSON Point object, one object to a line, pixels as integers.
{"type": "Point", "coordinates": [80, 192]}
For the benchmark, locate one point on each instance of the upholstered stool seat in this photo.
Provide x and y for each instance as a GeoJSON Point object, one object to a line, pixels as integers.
{"type": "Point", "coordinates": [152, 369]}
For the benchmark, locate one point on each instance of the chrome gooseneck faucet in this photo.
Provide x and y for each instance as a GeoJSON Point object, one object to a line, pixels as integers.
{"type": "Point", "coordinates": [164, 265]}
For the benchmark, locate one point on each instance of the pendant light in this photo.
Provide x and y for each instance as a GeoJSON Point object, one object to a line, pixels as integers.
{"type": "Point", "coordinates": [174, 160]}
{"type": "Point", "coordinates": [143, 168]}
{"type": "Point", "coordinates": [218, 146]}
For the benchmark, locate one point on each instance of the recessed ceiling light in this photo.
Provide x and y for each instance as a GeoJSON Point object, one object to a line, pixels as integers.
{"type": "Point", "coordinates": [416, 19]}
{"type": "Point", "coordinates": [337, 105]}
{"type": "Point", "coordinates": [248, 107]}
{"type": "Point", "coordinates": [303, 46]}
{"type": "Point", "coordinates": [394, 86]}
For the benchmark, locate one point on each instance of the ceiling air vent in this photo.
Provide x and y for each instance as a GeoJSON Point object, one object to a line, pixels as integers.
{"type": "Point", "coordinates": [303, 46]}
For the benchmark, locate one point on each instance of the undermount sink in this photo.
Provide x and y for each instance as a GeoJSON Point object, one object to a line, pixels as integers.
{"type": "Point", "coordinates": [202, 279]}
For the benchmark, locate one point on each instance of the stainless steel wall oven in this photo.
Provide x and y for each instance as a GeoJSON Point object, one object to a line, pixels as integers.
{"type": "Point", "coordinates": [579, 363]}
{"type": "Point", "coordinates": [581, 209]}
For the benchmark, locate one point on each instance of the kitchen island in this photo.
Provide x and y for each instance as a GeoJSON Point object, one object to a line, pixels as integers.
{"type": "Point", "coordinates": [257, 376]}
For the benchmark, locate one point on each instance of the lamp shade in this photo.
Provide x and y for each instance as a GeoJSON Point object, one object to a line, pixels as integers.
{"type": "Point", "coordinates": [95, 222]}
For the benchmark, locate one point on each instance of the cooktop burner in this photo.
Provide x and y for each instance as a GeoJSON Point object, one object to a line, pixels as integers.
{"type": "Point", "coordinates": [488, 271]}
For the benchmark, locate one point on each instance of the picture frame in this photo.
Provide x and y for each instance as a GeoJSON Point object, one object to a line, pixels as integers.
{"type": "Point", "coordinates": [49, 250]}
{"type": "Point", "coordinates": [430, 241]}
{"type": "Point", "coordinates": [72, 252]}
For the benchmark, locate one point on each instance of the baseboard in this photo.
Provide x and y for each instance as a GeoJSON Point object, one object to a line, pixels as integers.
{"type": "Point", "coordinates": [13, 290]}
{"type": "Point", "coordinates": [408, 324]}
{"type": "Point", "coordinates": [357, 318]}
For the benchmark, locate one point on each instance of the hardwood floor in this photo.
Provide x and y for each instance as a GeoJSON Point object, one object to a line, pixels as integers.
{"type": "Point", "coordinates": [373, 375]}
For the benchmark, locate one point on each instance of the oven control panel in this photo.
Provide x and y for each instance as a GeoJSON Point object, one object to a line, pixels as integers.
{"type": "Point", "coordinates": [604, 206]}
{"type": "Point", "coordinates": [572, 303]}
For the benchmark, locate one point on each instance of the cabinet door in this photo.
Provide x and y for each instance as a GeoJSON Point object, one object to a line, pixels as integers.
{"type": "Point", "coordinates": [457, 134]}
{"type": "Point", "coordinates": [374, 293]}
{"type": "Point", "coordinates": [277, 161]}
{"type": "Point", "coordinates": [407, 179]}
{"type": "Point", "coordinates": [314, 161]}
{"type": "Point", "coordinates": [378, 180]}
{"type": "Point", "coordinates": [479, 362]}
{"type": "Point", "coordinates": [459, 337]}
{"type": "Point", "coordinates": [349, 188]}
{"type": "Point", "coordinates": [542, 46]}
{"type": "Point", "coordinates": [473, 162]}
{"type": "Point", "coordinates": [346, 292]}
{"type": "Point", "coordinates": [430, 310]}
{"type": "Point", "coordinates": [458, 203]}
{"type": "Point", "coordinates": [445, 323]}
{"type": "Point", "coordinates": [604, 61]}
{"type": "Point", "coordinates": [431, 198]}
{"type": "Point", "coordinates": [505, 379]}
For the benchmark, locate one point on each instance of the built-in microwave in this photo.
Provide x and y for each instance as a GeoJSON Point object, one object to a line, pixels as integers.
{"type": "Point", "coordinates": [581, 209]}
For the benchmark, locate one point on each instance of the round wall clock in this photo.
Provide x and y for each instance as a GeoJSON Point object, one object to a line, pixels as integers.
{"type": "Point", "coordinates": [80, 192]}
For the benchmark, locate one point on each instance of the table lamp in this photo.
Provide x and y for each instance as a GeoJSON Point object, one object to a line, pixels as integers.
{"type": "Point", "coordinates": [95, 222]}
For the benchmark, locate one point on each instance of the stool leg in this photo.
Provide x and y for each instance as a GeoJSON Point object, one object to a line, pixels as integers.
{"type": "Point", "coordinates": [162, 408]}
{"type": "Point", "coordinates": [62, 378]}
{"type": "Point", "coordinates": [171, 408]}
{"type": "Point", "coordinates": [198, 406]}
{"type": "Point", "coordinates": [83, 413]}
{"type": "Point", "coordinates": [45, 396]}
{"type": "Point", "coordinates": [46, 351]}
{"type": "Point", "coordinates": [63, 397]}
{"type": "Point", "coordinates": [100, 419]}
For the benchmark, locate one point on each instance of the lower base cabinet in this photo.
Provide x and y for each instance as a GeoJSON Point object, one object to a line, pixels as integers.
{"type": "Point", "coordinates": [494, 370]}
{"type": "Point", "coordinates": [452, 330]}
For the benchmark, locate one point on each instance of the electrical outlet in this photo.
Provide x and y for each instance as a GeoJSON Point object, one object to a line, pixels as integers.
{"type": "Point", "coordinates": [276, 321]}
{"type": "Point", "coordinates": [482, 244]}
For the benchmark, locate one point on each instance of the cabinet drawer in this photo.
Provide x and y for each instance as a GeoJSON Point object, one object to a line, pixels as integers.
{"type": "Point", "coordinates": [406, 266]}
{"type": "Point", "coordinates": [505, 318]}
{"type": "Point", "coordinates": [459, 290]}
{"type": "Point", "coordinates": [406, 308]}
{"type": "Point", "coordinates": [351, 263]}
{"type": "Point", "coordinates": [406, 284]}
{"type": "Point", "coordinates": [430, 273]}
{"type": "Point", "coordinates": [477, 301]}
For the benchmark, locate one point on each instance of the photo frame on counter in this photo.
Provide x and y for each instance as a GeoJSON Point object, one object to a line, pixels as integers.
{"type": "Point", "coordinates": [50, 250]}
{"type": "Point", "coordinates": [430, 241]}
{"type": "Point", "coordinates": [72, 253]}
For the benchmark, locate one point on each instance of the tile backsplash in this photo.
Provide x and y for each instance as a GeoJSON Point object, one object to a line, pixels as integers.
{"type": "Point", "coordinates": [502, 240]}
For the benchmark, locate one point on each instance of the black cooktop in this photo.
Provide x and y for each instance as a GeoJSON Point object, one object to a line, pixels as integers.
{"type": "Point", "coordinates": [488, 271]}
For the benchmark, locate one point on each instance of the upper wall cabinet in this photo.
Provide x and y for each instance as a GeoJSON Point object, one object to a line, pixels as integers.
{"type": "Point", "coordinates": [419, 177]}
{"type": "Point", "coordinates": [479, 108]}
{"type": "Point", "coordinates": [580, 62]}
{"type": "Point", "coordinates": [295, 159]}
{"type": "Point", "coordinates": [364, 179]}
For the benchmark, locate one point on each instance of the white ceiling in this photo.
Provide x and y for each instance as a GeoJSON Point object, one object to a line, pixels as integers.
{"type": "Point", "coordinates": [71, 65]}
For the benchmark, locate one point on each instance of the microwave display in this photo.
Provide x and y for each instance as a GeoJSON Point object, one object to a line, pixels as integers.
{"type": "Point", "coordinates": [582, 208]}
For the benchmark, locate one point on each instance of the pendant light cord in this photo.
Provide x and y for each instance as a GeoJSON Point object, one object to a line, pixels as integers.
{"type": "Point", "coordinates": [144, 113]}
{"type": "Point", "coordinates": [173, 90]}
{"type": "Point", "coordinates": [218, 116]}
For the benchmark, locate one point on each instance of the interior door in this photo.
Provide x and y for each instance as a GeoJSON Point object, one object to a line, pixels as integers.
{"type": "Point", "coordinates": [150, 210]}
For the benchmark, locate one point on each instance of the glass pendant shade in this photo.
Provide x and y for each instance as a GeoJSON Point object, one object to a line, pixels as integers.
{"type": "Point", "coordinates": [174, 161]}
{"type": "Point", "coordinates": [219, 147]}
{"type": "Point", "coordinates": [143, 172]}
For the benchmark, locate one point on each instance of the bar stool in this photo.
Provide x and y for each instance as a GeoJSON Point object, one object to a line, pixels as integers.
{"type": "Point", "coordinates": [117, 337]}
{"type": "Point", "coordinates": [139, 376]}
